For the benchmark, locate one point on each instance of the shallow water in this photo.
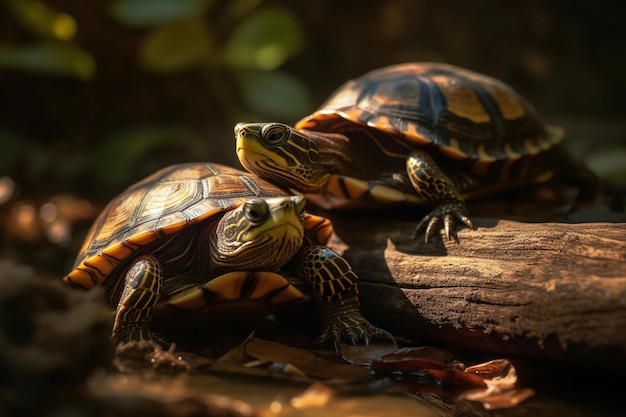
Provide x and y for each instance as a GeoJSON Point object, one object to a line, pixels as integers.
{"type": "Point", "coordinates": [240, 394]}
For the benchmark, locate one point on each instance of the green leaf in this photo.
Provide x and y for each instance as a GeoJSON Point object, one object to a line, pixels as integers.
{"type": "Point", "coordinates": [275, 94]}
{"type": "Point", "coordinates": [176, 46]}
{"type": "Point", "coordinates": [154, 12]}
{"type": "Point", "coordinates": [49, 58]}
{"type": "Point", "coordinates": [264, 40]}
{"type": "Point", "coordinates": [43, 20]}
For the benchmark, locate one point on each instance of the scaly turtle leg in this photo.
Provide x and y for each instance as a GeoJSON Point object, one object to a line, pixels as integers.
{"type": "Point", "coordinates": [431, 184]}
{"type": "Point", "coordinates": [335, 292]}
{"type": "Point", "coordinates": [137, 345]}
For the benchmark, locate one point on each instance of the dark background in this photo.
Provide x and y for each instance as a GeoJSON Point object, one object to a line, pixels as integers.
{"type": "Point", "coordinates": [85, 113]}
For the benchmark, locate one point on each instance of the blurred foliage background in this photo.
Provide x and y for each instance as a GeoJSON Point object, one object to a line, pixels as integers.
{"type": "Point", "coordinates": [98, 94]}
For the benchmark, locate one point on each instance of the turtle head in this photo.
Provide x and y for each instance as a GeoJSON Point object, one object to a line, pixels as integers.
{"type": "Point", "coordinates": [282, 154]}
{"type": "Point", "coordinates": [261, 234]}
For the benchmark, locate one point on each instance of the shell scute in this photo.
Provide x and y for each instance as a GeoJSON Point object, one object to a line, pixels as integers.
{"type": "Point", "coordinates": [161, 204]}
{"type": "Point", "coordinates": [463, 113]}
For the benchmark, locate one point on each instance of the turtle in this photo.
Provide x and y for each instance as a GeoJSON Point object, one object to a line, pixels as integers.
{"type": "Point", "coordinates": [195, 236]}
{"type": "Point", "coordinates": [419, 133]}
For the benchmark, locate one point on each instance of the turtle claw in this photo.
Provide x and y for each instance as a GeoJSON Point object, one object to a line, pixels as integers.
{"type": "Point", "coordinates": [466, 221]}
{"type": "Point", "coordinates": [353, 339]}
{"type": "Point", "coordinates": [431, 229]}
{"type": "Point", "coordinates": [355, 331]}
{"type": "Point", "coordinates": [147, 354]}
{"type": "Point", "coordinates": [448, 214]}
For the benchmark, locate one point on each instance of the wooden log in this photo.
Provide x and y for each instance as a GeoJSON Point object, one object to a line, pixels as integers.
{"type": "Point", "coordinates": [550, 291]}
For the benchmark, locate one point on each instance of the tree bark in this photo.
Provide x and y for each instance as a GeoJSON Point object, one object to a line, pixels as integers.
{"type": "Point", "coordinates": [549, 291]}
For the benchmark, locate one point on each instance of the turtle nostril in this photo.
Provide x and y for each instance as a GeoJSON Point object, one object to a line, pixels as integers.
{"type": "Point", "coordinates": [239, 130]}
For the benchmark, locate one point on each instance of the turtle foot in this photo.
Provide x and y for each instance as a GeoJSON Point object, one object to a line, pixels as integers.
{"type": "Point", "coordinates": [449, 213]}
{"type": "Point", "coordinates": [355, 330]}
{"type": "Point", "coordinates": [147, 355]}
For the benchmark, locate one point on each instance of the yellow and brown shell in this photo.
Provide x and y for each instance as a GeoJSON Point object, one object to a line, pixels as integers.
{"type": "Point", "coordinates": [463, 113]}
{"type": "Point", "coordinates": [166, 202]}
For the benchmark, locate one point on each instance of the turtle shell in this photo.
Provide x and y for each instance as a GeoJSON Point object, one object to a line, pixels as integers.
{"type": "Point", "coordinates": [166, 202]}
{"type": "Point", "coordinates": [463, 113]}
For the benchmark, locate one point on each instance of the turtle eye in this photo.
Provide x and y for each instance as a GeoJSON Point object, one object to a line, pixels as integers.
{"type": "Point", "coordinates": [300, 206]}
{"type": "Point", "coordinates": [275, 134]}
{"type": "Point", "coordinates": [256, 211]}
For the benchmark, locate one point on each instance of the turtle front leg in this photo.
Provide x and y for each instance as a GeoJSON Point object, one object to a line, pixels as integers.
{"type": "Point", "coordinates": [335, 292]}
{"type": "Point", "coordinates": [137, 345]}
{"type": "Point", "coordinates": [431, 184]}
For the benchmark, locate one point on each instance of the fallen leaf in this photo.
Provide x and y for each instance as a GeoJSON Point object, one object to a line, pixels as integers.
{"type": "Point", "coordinates": [305, 361]}
{"type": "Point", "coordinates": [498, 371]}
{"type": "Point", "coordinates": [236, 355]}
{"type": "Point", "coordinates": [416, 360]}
{"type": "Point", "coordinates": [424, 352]}
{"type": "Point", "coordinates": [501, 389]}
{"type": "Point", "coordinates": [365, 355]}
{"type": "Point", "coordinates": [437, 371]}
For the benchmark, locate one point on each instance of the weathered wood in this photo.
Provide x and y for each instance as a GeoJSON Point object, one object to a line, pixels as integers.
{"type": "Point", "coordinates": [552, 291]}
